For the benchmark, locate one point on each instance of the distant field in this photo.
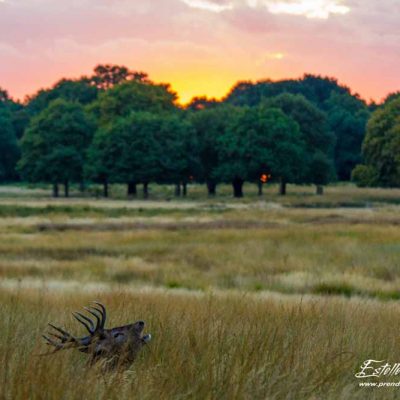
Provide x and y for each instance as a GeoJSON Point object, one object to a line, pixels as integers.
{"type": "Point", "coordinates": [265, 297]}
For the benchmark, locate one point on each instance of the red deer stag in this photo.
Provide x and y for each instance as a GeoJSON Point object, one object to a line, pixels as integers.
{"type": "Point", "coordinates": [118, 346]}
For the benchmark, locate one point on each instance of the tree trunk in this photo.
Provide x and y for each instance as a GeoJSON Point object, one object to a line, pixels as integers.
{"type": "Point", "coordinates": [237, 187]}
{"type": "Point", "coordinates": [212, 188]}
{"type": "Point", "coordinates": [66, 189]}
{"type": "Point", "coordinates": [260, 188]}
{"type": "Point", "coordinates": [132, 189]}
{"type": "Point", "coordinates": [184, 189]}
{"type": "Point", "coordinates": [320, 190]}
{"type": "Point", "coordinates": [178, 190]}
{"type": "Point", "coordinates": [81, 186]}
{"type": "Point", "coordinates": [282, 187]}
{"type": "Point", "coordinates": [55, 190]}
{"type": "Point", "coordinates": [146, 190]}
{"type": "Point", "coordinates": [105, 189]}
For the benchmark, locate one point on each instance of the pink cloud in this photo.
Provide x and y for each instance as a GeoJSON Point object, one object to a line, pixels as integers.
{"type": "Point", "coordinates": [198, 50]}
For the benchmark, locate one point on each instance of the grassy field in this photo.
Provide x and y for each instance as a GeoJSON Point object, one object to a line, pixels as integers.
{"type": "Point", "coordinates": [260, 298]}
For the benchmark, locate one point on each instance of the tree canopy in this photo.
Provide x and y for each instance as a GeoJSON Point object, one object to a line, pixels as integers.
{"type": "Point", "coordinates": [142, 148]}
{"type": "Point", "coordinates": [9, 151]}
{"type": "Point", "coordinates": [80, 91]}
{"type": "Point", "coordinates": [260, 140]}
{"type": "Point", "coordinates": [209, 125]}
{"type": "Point", "coordinates": [347, 118]}
{"type": "Point", "coordinates": [133, 96]}
{"type": "Point", "coordinates": [115, 125]}
{"type": "Point", "coordinates": [54, 144]}
{"type": "Point", "coordinates": [381, 148]}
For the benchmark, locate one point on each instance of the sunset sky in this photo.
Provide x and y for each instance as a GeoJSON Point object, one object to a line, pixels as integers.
{"type": "Point", "coordinates": [202, 47]}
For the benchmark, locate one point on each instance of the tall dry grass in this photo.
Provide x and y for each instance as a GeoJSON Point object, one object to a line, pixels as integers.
{"type": "Point", "coordinates": [205, 347]}
{"type": "Point", "coordinates": [266, 299]}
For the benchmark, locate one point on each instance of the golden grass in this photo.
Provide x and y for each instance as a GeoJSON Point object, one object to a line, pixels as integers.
{"type": "Point", "coordinates": [205, 346]}
{"type": "Point", "coordinates": [342, 251]}
{"type": "Point", "coordinates": [251, 299]}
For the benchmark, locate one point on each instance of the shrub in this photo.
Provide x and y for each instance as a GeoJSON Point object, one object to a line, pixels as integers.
{"type": "Point", "coordinates": [364, 176]}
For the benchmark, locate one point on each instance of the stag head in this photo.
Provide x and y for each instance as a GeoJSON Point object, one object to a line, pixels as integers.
{"type": "Point", "coordinates": [119, 345]}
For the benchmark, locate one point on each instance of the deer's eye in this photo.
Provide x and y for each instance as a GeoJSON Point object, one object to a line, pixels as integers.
{"type": "Point", "coordinates": [118, 334]}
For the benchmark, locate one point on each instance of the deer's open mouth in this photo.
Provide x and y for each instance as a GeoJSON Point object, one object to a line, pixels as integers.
{"type": "Point", "coordinates": [140, 326]}
{"type": "Point", "coordinates": [146, 338]}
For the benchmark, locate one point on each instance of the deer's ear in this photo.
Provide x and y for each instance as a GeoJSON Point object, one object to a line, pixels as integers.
{"type": "Point", "coordinates": [138, 327]}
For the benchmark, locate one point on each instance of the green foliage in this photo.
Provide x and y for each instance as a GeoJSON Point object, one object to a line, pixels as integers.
{"type": "Point", "coordinates": [364, 176]}
{"type": "Point", "coordinates": [209, 124]}
{"type": "Point", "coordinates": [320, 169]}
{"type": "Point", "coordinates": [202, 103]}
{"type": "Point", "coordinates": [133, 96]}
{"type": "Point", "coordinates": [312, 122]}
{"type": "Point", "coordinates": [260, 140]}
{"type": "Point", "coordinates": [391, 97]}
{"type": "Point", "coordinates": [19, 115]}
{"type": "Point", "coordinates": [55, 143]}
{"type": "Point", "coordinates": [107, 76]}
{"type": "Point", "coordinates": [143, 148]}
{"type": "Point", "coordinates": [347, 118]}
{"type": "Point", "coordinates": [347, 114]}
{"type": "Point", "coordinates": [324, 125]}
{"type": "Point", "coordinates": [315, 133]}
{"type": "Point", "coordinates": [80, 90]}
{"type": "Point", "coordinates": [9, 151]}
{"type": "Point", "coordinates": [381, 147]}
{"type": "Point", "coordinates": [179, 161]}
{"type": "Point", "coordinates": [316, 89]}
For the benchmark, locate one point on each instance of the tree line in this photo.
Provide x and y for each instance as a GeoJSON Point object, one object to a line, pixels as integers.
{"type": "Point", "coordinates": [117, 126]}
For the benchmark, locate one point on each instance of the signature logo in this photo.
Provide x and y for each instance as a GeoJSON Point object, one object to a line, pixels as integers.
{"type": "Point", "coordinates": [375, 368]}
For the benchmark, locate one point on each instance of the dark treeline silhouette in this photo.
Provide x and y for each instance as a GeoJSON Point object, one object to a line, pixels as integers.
{"type": "Point", "coordinates": [117, 126]}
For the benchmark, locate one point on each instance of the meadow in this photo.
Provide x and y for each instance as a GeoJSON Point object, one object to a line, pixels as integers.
{"type": "Point", "coordinates": [261, 298]}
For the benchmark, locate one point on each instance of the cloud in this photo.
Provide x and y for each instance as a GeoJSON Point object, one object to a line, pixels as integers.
{"type": "Point", "coordinates": [209, 5]}
{"type": "Point", "coordinates": [322, 9]}
{"type": "Point", "coordinates": [202, 46]}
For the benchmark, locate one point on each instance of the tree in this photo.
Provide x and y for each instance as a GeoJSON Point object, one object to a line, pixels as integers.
{"type": "Point", "coordinates": [107, 76]}
{"type": "Point", "coordinates": [54, 145]}
{"type": "Point", "coordinates": [347, 118]}
{"type": "Point", "coordinates": [133, 96]}
{"type": "Point", "coordinates": [320, 170]}
{"type": "Point", "coordinates": [391, 97]}
{"type": "Point", "coordinates": [19, 115]}
{"type": "Point", "coordinates": [126, 151]}
{"type": "Point", "coordinates": [202, 103]}
{"type": "Point", "coordinates": [99, 162]}
{"type": "Point", "coordinates": [365, 176]}
{"type": "Point", "coordinates": [260, 140]}
{"type": "Point", "coordinates": [347, 113]}
{"type": "Point", "coordinates": [381, 147]}
{"type": "Point", "coordinates": [9, 151]}
{"type": "Point", "coordinates": [314, 88]}
{"type": "Point", "coordinates": [318, 139]}
{"type": "Point", "coordinates": [179, 160]}
{"type": "Point", "coordinates": [209, 124]}
{"type": "Point", "coordinates": [79, 90]}
{"type": "Point", "coordinates": [143, 148]}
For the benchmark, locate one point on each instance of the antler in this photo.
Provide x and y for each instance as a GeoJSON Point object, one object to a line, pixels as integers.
{"type": "Point", "coordinates": [120, 344]}
{"type": "Point", "coordinates": [66, 340]}
{"type": "Point", "coordinates": [100, 319]}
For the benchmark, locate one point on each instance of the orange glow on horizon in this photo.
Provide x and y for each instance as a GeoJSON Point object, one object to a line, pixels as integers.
{"type": "Point", "coordinates": [200, 47]}
{"type": "Point", "coordinates": [195, 84]}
